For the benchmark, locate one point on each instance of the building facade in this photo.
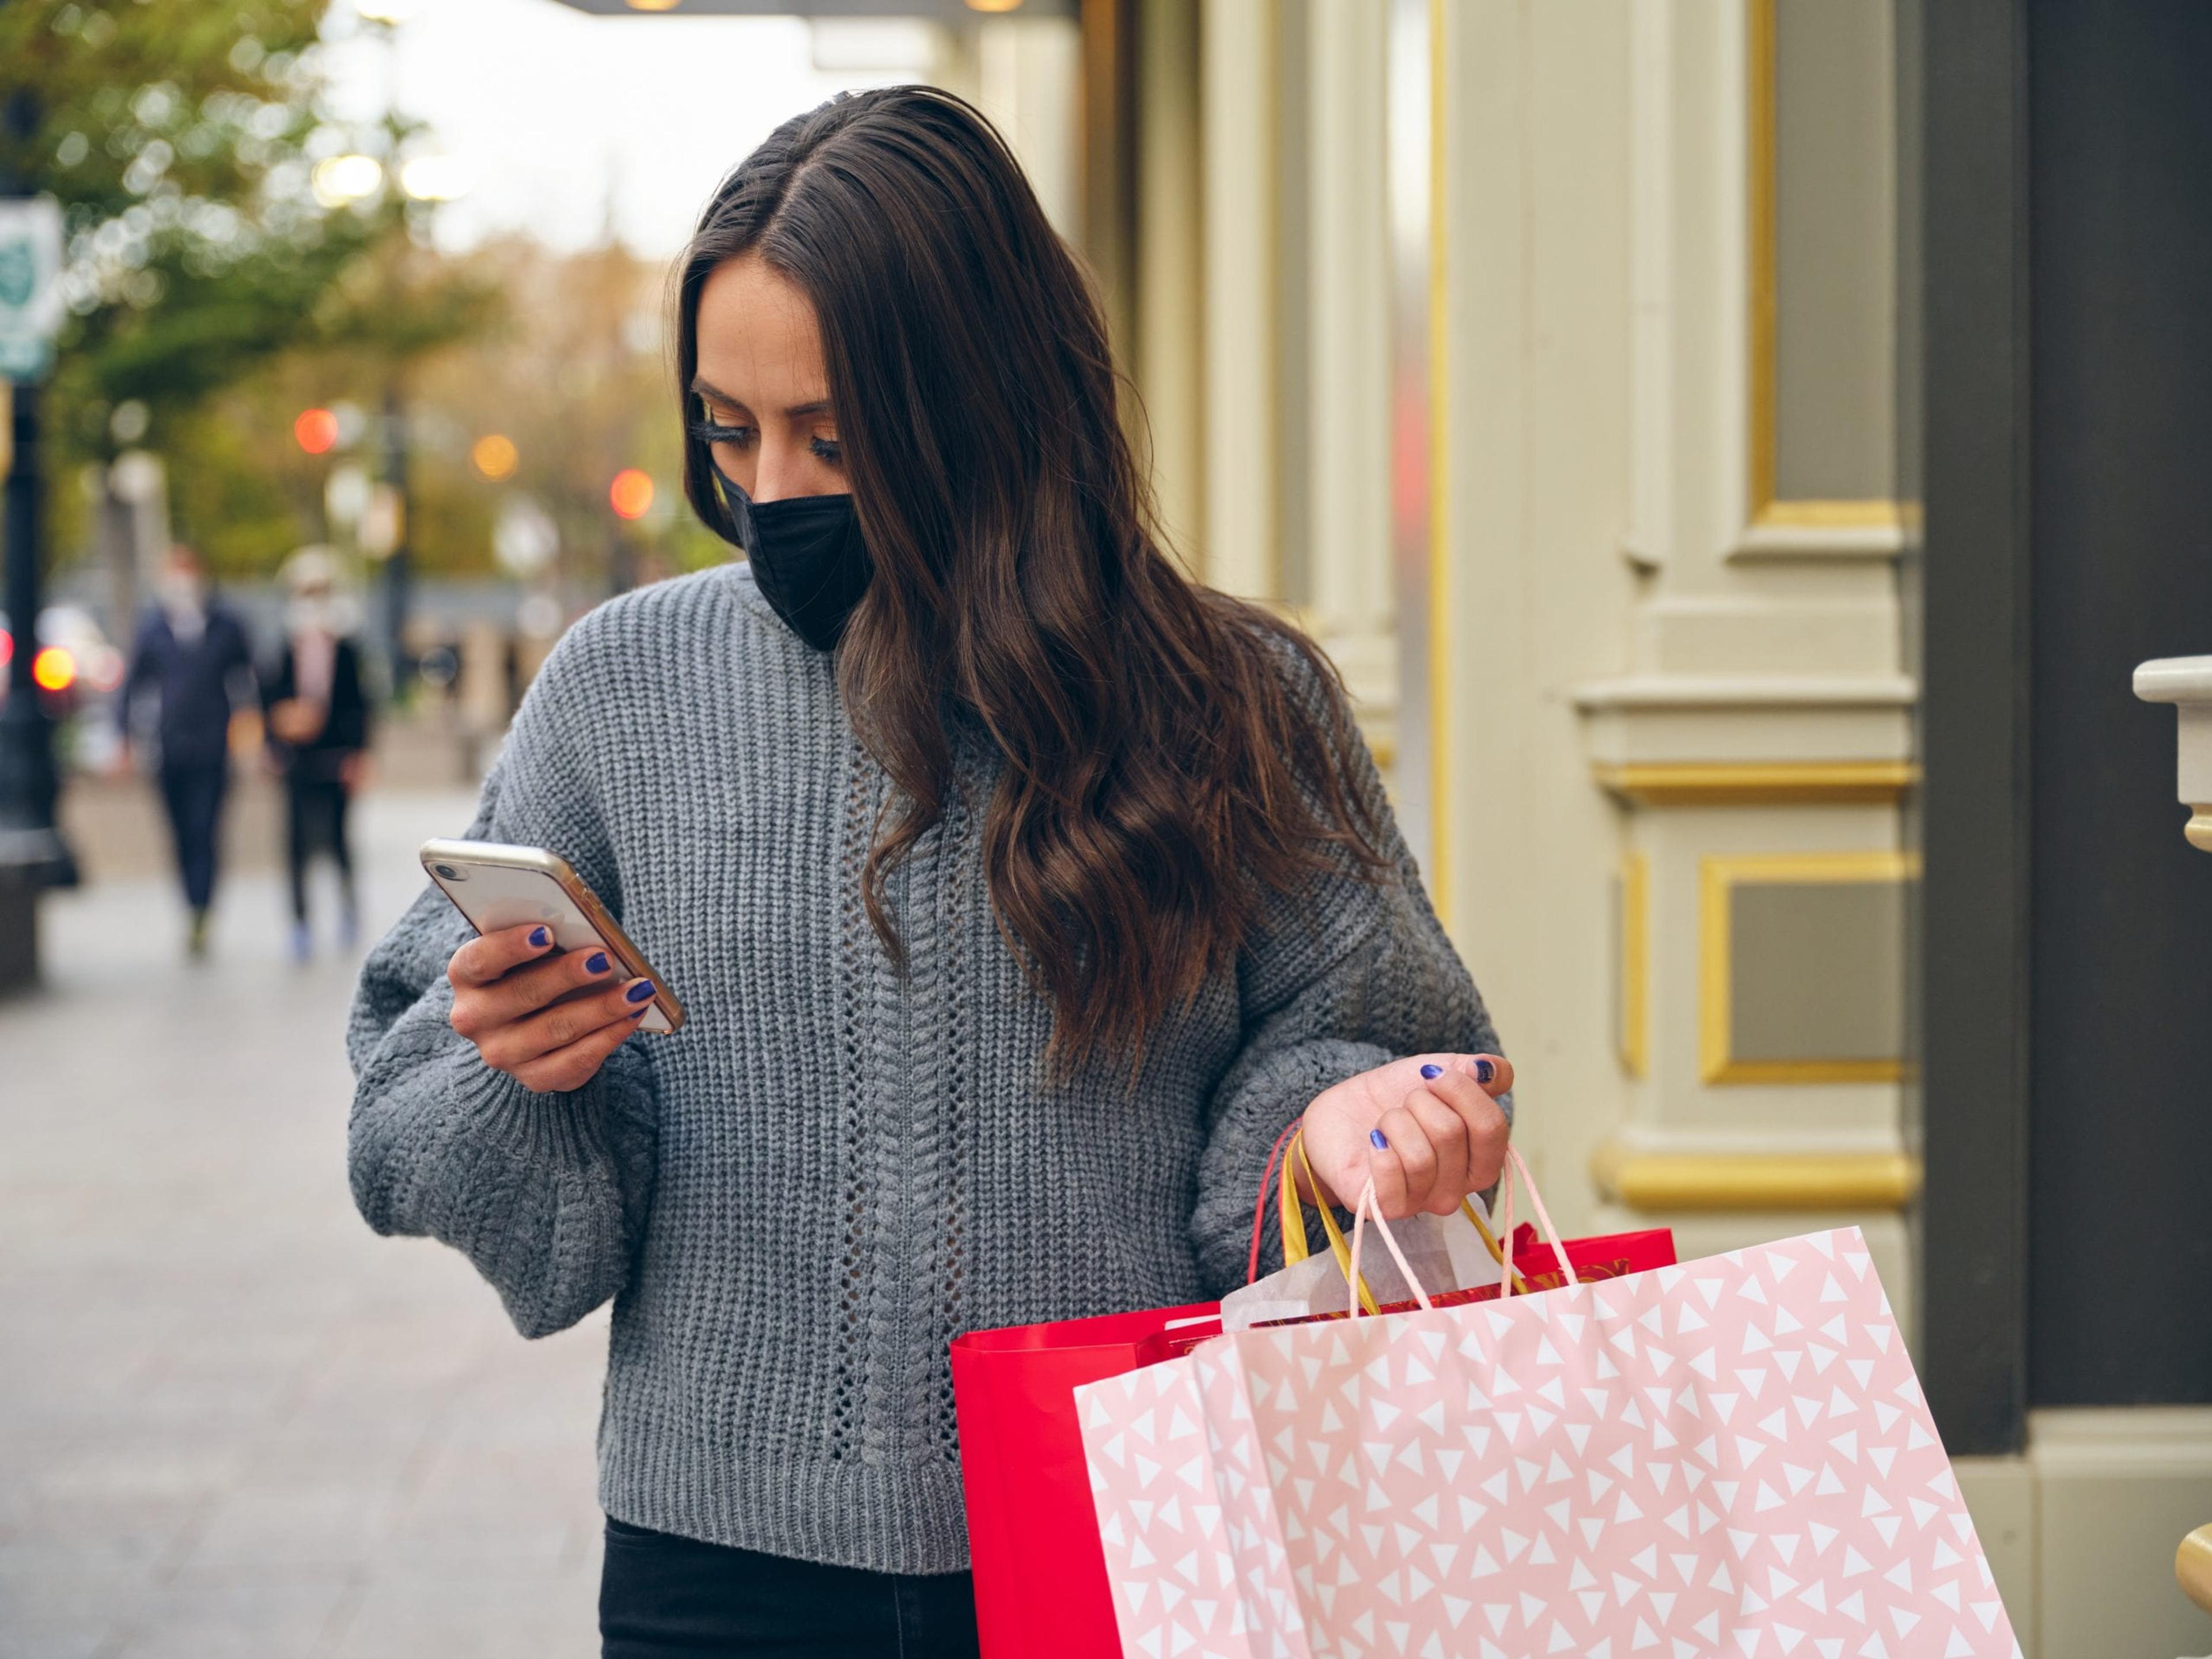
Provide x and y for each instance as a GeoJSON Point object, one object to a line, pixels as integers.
{"type": "Point", "coordinates": [1569, 370]}
{"type": "Point", "coordinates": [1736, 452]}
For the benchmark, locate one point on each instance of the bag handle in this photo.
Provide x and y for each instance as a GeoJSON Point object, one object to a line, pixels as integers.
{"type": "Point", "coordinates": [1517, 1163]}
{"type": "Point", "coordinates": [1291, 1214]}
{"type": "Point", "coordinates": [1369, 1202]}
{"type": "Point", "coordinates": [1337, 1246]}
{"type": "Point", "coordinates": [1259, 1204]}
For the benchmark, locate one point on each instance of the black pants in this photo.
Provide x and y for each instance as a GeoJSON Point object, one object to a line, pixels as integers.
{"type": "Point", "coordinates": [661, 1596]}
{"type": "Point", "coordinates": [315, 817]}
{"type": "Point", "coordinates": [194, 796]}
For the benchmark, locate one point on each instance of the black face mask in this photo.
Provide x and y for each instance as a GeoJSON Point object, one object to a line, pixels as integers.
{"type": "Point", "coordinates": [807, 556]}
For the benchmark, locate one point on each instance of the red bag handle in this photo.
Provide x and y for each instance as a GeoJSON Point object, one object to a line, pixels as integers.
{"type": "Point", "coordinates": [1260, 1203]}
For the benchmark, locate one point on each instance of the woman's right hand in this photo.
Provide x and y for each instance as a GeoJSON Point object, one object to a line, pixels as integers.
{"type": "Point", "coordinates": [546, 1018]}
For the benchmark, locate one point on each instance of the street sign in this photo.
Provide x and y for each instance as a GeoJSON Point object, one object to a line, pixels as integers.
{"type": "Point", "coordinates": [30, 285]}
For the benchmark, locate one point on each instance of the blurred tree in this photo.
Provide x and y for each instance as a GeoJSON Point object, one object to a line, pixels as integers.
{"type": "Point", "coordinates": [576, 377]}
{"type": "Point", "coordinates": [207, 232]}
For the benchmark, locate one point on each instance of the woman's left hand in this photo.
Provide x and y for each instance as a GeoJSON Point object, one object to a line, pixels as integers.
{"type": "Point", "coordinates": [1427, 1130]}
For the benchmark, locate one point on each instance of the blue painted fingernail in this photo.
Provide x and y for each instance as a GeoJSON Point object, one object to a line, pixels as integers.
{"type": "Point", "coordinates": [1484, 1071]}
{"type": "Point", "coordinates": [539, 938]}
{"type": "Point", "coordinates": [1375, 1138]}
{"type": "Point", "coordinates": [596, 963]}
{"type": "Point", "coordinates": [640, 1014]}
{"type": "Point", "coordinates": [1432, 1073]}
{"type": "Point", "coordinates": [640, 991]}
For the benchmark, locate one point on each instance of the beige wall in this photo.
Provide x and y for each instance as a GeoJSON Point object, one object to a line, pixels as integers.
{"type": "Point", "coordinates": [1625, 672]}
{"type": "Point", "coordinates": [1530, 594]}
{"type": "Point", "coordinates": [1648, 675]}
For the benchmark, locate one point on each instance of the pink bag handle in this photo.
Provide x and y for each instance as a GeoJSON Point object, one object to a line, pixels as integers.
{"type": "Point", "coordinates": [1516, 1164]}
{"type": "Point", "coordinates": [1505, 1220]}
{"type": "Point", "coordinates": [1353, 1281]}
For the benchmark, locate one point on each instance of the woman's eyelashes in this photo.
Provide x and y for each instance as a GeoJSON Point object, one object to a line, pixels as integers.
{"type": "Point", "coordinates": [714, 432]}
{"type": "Point", "coordinates": [719, 433]}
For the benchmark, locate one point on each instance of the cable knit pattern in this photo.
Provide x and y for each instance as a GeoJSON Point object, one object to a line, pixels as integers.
{"type": "Point", "coordinates": [796, 1201]}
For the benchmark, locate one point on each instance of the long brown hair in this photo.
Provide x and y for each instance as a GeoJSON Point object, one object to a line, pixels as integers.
{"type": "Point", "coordinates": [1163, 771]}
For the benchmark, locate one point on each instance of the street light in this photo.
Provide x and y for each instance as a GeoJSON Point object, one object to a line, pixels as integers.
{"type": "Point", "coordinates": [54, 669]}
{"type": "Point", "coordinates": [436, 177]}
{"type": "Point", "coordinates": [494, 455]}
{"type": "Point", "coordinates": [342, 180]}
{"type": "Point", "coordinates": [316, 431]}
{"type": "Point", "coordinates": [631, 495]}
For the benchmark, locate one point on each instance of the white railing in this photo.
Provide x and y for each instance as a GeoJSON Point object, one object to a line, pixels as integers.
{"type": "Point", "coordinates": [2186, 683]}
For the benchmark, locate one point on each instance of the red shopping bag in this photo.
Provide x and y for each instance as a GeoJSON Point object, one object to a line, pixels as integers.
{"type": "Point", "coordinates": [1609, 1255]}
{"type": "Point", "coordinates": [1535, 1267]}
{"type": "Point", "coordinates": [1032, 1531]}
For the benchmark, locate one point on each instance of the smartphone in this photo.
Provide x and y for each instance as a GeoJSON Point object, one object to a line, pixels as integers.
{"type": "Point", "coordinates": [496, 887]}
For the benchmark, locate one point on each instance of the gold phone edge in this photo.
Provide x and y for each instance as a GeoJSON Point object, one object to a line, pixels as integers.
{"type": "Point", "coordinates": [580, 893]}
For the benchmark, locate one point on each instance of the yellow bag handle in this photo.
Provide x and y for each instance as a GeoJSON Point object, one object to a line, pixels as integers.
{"type": "Point", "coordinates": [1291, 1215]}
{"type": "Point", "coordinates": [1337, 1243]}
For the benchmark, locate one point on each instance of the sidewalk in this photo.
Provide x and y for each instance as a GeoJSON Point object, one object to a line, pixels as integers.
{"type": "Point", "coordinates": [232, 1421]}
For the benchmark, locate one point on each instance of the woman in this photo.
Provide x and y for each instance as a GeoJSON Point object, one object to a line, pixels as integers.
{"type": "Point", "coordinates": [319, 730]}
{"type": "Point", "coordinates": [1021, 894]}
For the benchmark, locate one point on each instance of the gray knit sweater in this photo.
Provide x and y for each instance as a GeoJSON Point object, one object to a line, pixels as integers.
{"type": "Point", "coordinates": [799, 1200]}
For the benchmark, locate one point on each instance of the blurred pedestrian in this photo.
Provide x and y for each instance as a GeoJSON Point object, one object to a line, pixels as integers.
{"type": "Point", "coordinates": [319, 729]}
{"type": "Point", "coordinates": [192, 654]}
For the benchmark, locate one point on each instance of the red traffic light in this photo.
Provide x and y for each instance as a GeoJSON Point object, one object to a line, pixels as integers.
{"type": "Point", "coordinates": [631, 495]}
{"type": "Point", "coordinates": [317, 430]}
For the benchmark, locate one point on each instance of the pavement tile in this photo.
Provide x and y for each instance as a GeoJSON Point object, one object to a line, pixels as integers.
{"type": "Point", "coordinates": [485, 1616]}
{"type": "Point", "coordinates": [232, 1421]}
{"type": "Point", "coordinates": [219, 1615]}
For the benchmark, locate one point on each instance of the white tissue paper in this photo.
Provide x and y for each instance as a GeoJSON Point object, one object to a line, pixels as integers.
{"type": "Point", "coordinates": [1445, 1253]}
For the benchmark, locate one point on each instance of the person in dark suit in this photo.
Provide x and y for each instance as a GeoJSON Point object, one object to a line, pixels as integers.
{"type": "Point", "coordinates": [193, 653]}
{"type": "Point", "coordinates": [319, 732]}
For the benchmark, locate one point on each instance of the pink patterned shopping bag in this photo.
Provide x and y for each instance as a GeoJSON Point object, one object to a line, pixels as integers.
{"type": "Point", "coordinates": [1728, 1457]}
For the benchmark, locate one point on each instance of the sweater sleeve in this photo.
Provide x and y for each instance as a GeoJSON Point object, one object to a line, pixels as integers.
{"type": "Point", "coordinates": [1350, 973]}
{"type": "Point", "coordinates": [545, 1194]}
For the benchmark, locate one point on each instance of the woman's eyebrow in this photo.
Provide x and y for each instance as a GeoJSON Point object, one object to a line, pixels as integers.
{"type": "Point", "coordinates": [701, 388]}
{"type": "Point", "coordinates": [800, 412]}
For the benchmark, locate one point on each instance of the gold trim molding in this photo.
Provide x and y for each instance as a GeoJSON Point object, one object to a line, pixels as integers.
{"type": "Point", "coordinates": [1873, 513]}
{"type": "Point", "coordinates": [1441, 852]}
{"type": "Point", "coordinates": [1759, 117]}
{"type": "Point", "coordinates": [1764, 510]}
{"type": "Point", "coordinates": [1678, 1182]}
{"type": "Point", "coordinates": [1716, 878]}
{"type": "Point", "coordinates": [1635, 1034]}
{"type": "Point", "coordinates": [1760, 783]}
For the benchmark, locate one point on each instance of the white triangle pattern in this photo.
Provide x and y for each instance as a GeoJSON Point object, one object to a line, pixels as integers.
{"type": "Point", "coordinates": [1350, 1490]}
